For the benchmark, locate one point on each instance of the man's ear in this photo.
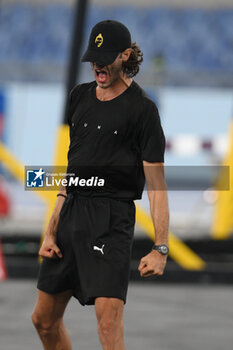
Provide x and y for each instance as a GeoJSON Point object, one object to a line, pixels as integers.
{"type": "Point", "coordinates": [125, 55]}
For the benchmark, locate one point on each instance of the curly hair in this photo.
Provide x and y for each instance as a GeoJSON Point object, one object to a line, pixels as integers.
{"type": "Point", "coordinates": [131, 67]}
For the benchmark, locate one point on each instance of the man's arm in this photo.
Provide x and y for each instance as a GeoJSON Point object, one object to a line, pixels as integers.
{"type": "Point", "coordinates": [154, 263]}
{"type": "Point", "coordinates": [49, 248]}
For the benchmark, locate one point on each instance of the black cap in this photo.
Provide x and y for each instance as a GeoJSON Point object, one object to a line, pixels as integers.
{"type": "Point", "coordinates": [108, 39]}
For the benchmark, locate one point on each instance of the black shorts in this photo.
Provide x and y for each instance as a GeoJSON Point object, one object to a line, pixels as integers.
{"type": "Point", "coordinates": [95, 237]}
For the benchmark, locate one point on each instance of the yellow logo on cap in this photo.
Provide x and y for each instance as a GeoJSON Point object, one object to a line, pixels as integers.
{"type": "Point", "coordinates": [99, 40]}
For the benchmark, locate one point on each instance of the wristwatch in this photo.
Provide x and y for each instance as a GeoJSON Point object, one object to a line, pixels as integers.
{"type": "Point", "coordinates": [162, 249]}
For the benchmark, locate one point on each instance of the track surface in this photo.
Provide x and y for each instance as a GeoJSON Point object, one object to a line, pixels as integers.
{"type": "Point", "coordinates": [157, 317]}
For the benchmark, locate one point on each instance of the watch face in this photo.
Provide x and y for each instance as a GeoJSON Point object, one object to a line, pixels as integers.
{"type": "Point", "coordinates": [163, 249]}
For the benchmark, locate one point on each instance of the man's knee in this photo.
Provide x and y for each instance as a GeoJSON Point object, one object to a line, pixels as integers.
{"type": "Point", "coordinates": [107, 327]}
{"type": "Point", "coordinates": [43, 325]}
{"type": "Point", "coordinates": [109, 318]}
{"type": "Point", "coordinates": [47, 316]}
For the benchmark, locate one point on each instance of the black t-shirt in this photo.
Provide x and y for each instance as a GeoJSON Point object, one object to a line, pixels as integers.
{"type": "Point", "coordinates": [110, 139]}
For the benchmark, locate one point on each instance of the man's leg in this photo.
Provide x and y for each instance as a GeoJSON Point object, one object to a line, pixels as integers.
{"type": "Point", "coordinates": [109, 313]}
{"type": "Point", "coordinates": [47, 318]}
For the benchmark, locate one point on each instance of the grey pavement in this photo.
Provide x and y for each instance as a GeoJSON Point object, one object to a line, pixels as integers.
{"type": "Point", "coordinates": [157, 316]}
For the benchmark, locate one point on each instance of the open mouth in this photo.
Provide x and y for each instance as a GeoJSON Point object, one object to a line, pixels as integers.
{"type": "Point", "coordinates": [101, 75]}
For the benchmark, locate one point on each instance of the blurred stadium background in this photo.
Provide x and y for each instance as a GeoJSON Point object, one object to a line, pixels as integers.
{"type": "Point", "coordinates": [187, 70]}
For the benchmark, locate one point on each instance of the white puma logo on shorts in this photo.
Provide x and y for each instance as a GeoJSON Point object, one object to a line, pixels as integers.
{"type": "Point", "coordinates": [100, 249]}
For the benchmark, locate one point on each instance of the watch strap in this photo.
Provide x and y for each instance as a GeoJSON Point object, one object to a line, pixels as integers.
{"type": "Point", "coordinates": [162, 249]}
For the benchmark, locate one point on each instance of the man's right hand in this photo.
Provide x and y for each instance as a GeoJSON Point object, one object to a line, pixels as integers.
{"type": "Point", "coordinates": [49, 249]}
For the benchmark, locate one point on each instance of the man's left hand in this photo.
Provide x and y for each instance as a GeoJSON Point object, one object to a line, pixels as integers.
{"type": "Point", "coordinates": [152, 264]}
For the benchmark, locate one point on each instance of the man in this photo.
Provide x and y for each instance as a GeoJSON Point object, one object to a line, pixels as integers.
{"type": "Point", "coordinates": [115, 133]}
